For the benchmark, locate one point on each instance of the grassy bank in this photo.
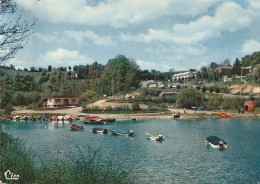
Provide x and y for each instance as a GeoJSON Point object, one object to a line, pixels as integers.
{"type": "Point", "coordinates": [88, 167]}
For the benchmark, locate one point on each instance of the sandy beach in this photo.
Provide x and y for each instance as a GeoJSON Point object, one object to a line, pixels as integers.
{"type": "Point", "coordinates": [185, 114]}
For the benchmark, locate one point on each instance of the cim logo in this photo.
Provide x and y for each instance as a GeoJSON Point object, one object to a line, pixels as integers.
{"type": "Point", "coordinates": [11, 176]}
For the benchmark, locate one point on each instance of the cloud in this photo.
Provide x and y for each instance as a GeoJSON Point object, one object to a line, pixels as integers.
{"type": "Point", "coordinates": [228, 17]}
{"type": "Point", "coordinates": [79, 36]}
{"type": "Point", "coordinates": [116, 13]}
{"type": "Point", "coordinates": [62, 57]}
{"type": "Point", "coordinates": [147, 65]}
{"type": "Point", "coordinates": [16, 62]}
{"type": "Point", "coordinates": [47, 38]}
{"type": "Point", "coordinates": [250, 46]}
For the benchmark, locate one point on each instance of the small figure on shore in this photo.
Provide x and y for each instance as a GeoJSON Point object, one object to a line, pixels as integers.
{"type": "Point", "coordinates": [238, 110]}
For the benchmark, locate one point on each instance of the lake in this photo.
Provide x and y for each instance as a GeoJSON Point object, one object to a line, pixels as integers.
{"type": "Point", "coordinates": [181, 158]}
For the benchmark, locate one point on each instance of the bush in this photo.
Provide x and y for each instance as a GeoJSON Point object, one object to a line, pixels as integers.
{"type": "Point", "coordinates": [190, 97]}
{"type": "Point", "coordinates": [84, 168]}
{"type": "Point", "coordinates": [136, 106]}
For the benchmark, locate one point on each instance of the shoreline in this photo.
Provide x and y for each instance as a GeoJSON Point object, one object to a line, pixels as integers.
{"type": "Point", "coordinates": [190, 114]}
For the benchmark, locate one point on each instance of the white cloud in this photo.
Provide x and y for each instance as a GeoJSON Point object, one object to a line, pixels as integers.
{"type": "Point", "coordinates": [250, 46]}
{"type": "Point", "coordinates": [116, 13]}
{"type": "Point", "coordinates": [147, 65]}
{"type": "Point", "coordinates": [47, 38]}
{"type": "Point", "coordinates": [228, 17]}
{"type": "Point", "coordinates": [62, 57]}
{"type": "Point", "coordinates": [16, 62]}
{"type": "Point", "coordinates": [79, 36]}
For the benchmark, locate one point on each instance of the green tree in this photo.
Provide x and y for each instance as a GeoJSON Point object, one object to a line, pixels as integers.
{"type": "Point", "coordinates": [190, 97]}
{"type": "Point", "coordinates": [237, 67]}
{"type": "Point", "coordinates": [89, 96]}
{"type": "Point", "coordinates": [23, 82]}
{"type": "Point", "coordinates": [121, 74]}
{"type": "Point", "coordinates": [7, 83]}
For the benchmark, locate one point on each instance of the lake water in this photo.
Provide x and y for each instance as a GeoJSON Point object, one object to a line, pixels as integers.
{"type": "Point", "coordinates": [181, 158]}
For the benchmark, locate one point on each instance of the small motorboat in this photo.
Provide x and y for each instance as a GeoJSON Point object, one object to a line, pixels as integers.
{"type": "Point", "coordinates": [91, 117]}
{"type": "Point", "coordinates": [94, 121]}
{"type": "Point", "coordinates": [53, 118]}
{"type": "Point", "coordinates": [216, 142]}
{"type": "Point", "coordinates": [31, 118]}
{"type": "Point", "coordinates": [155, 136]}
{"type": "Point", "coordinates": [24, 118]}
{"type": "Point", "coordinates": [109, 120]}
{"type": "Point", "coordinates": [16, 118]}
{"type": "Point", "coordinates": [40, 117]}
{"type": "Point", "coordinates": [99, 130]}
{"type": "Point", "coordinates": [224, 115]}
{"type": "Point", "coordinates": [68, 118]}
{"type": "Point", "coordinates": [60, 118]}
{"type": "Point", "coordinates": [121, 132]}
{"type": "Point", "coordinates": [44, 118]}
{"type": "Point", "coordinates": [76, 127]}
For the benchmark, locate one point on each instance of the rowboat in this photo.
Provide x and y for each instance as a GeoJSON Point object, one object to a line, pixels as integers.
{"type": "Point", "coordinates": [94, 121]}
{"type": "Point", "coordinates": [121, 132]}
{"type": "Point", "coordinates": [224, 115]}
{"type": "Point", "coordinates": [60, 118]}
{"type": "Point", "coordinates": [76, 127]}
{"type": "Point", "coordinates": [53, 118]}
{"type": "Point", "coordinates": [216, 142]}
{"type": "Point", "coordinates": [99, 130]}
{"type": "Point", "coordinates": [155, 136]}
{"type": "Point", "coordinates": [68, 118]}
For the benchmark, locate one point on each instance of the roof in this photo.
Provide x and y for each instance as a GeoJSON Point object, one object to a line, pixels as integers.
{"type": "Point", "coordinates": [63, 97]}
{"type": "Point", "coordinates": [230, 68]}
{"type": "Point", "coordinates": [179, 74]}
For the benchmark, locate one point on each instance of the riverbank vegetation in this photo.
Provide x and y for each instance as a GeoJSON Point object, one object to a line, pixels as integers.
{"type": "Point", "coordinates": [122, 76]}
{"type": "Point", "coordinates": [90, 167]}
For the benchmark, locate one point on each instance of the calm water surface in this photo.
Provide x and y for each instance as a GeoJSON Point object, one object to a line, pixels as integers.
{"type": "Point", "coordinates": [181, 158]}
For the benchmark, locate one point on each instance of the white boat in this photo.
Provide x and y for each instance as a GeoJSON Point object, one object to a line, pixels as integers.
{"type": "Point", "coordinates": [60, 118]}
{"type": "Point", "coordinates": [216, 142]}
{"type": "Point", "coordinates": [155, 137]}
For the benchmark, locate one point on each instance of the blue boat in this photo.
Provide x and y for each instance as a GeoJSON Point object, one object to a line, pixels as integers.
{"type": "Point", "coordinates": [201, 108]}
{"type": "Point", "coordinates": [216, 142]}
{"type": "Point", "coordinates": [121, 132]}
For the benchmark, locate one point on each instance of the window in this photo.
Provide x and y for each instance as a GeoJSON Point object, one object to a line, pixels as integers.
{"type": "Point", "coordinates": [57, 100]}
{"type": "Point", "coordinates": [50, 100]}
{"type": "Point", "coordinates": [74, 100]}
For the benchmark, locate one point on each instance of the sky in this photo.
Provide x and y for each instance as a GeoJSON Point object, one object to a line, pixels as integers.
{"type": "Point", "coordinates": [157, 34]}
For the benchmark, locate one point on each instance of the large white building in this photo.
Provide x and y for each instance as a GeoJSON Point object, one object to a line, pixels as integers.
{"type": "Point", "coordinates": [56, 101]}
{"type": "Point", "coordinates": [183, 76]}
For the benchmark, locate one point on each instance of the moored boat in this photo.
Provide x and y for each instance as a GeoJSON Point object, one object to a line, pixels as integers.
{"type": "Point", "coordinates": [68, 118]}
{"type": "Point", "coordinates": [99, 130]}
{"type": "Point", "coordinates": [76, 127]}
{"type": "Point", "coordinates": [121, 132]}
{"type": "Point", "coordinates": [216, 142]}
{"type": "Point", "coordinates": [53, 118]}
{"type": "Point", "coordinates": [94, 121]}
{"type": "Point", "coordinates": [224, 115]}
{"type": "Point", "coordinates": [155, 136]}
{"type": "Point", "coordinates": [16, 118]}
{"type": "Point", "coordinates": [60, 118]}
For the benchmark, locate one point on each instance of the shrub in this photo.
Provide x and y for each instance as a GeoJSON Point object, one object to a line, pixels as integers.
{"type": "Point", "coordinates": [190, 97]}
{"type": "Point", "coordinates": [136, 106]}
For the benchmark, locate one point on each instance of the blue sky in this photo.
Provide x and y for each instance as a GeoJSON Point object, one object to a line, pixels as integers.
{"type": "Point", "coordinates": [158, 34]}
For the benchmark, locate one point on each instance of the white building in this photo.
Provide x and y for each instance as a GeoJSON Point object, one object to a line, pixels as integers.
{"type": "Point", "coordinates": [184, 76]}
{"type": "Point", "coordinates": [56, 101]}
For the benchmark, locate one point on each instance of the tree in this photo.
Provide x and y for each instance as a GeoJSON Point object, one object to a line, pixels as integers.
{"type": "Point", "coordinates": [13, 30]}
{"type": "Point", "coordinates": [237, 67]}
{"type": "Point", "coordinates": [49, 68]}
{"type": "Point", "coordinates": [190, 97]}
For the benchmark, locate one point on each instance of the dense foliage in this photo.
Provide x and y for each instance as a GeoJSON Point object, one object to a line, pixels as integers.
{"type": "Point", "coordinates": [89, 167]}
{"type": "Point", "coordinates": [190, 97]}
